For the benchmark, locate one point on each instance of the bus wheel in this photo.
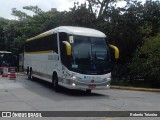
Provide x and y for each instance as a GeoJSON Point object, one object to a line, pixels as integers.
{"type": "Point", "coordinates": [30, 77]}
{"type": "Point", "coordinates": [88, 91]}
{"type": "Point", "coordinates": [55, 83]}
{"type": "Point", "coordinates": [27, 70]}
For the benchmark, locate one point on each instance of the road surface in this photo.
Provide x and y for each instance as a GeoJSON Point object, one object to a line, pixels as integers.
{"type": "Point", "coordinates": [37, 95]}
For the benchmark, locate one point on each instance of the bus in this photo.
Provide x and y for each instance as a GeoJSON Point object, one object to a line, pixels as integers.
{"type": "Point", "coordinates": [7, 59]}
{"type": "Point", "coordinates": [72, 57]}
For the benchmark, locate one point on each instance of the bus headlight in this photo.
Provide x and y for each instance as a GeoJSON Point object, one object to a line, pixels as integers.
{"type": "Point", "coordinates": [74, 78]}
{"type": "Point", "coordinates": [73, 84]}
{"type": "Point", "coordinates": [108, 86]}
{"type": "Point", "coordinates": [107, 79]}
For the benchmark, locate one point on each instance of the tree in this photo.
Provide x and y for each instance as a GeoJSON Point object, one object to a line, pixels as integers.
{"type": "Point", "coordinates": [11, 32]}
{"type": "Point", "coordinates": [35, 9]}
{"type": "Point", "coordinates": [146, 61]}
{"type": "Point", "coordinates": [21, 15]}
{"type": "Point", "coordinates": [80, 15]}
{"type": "Point", "coordinates": [151, 15]}
{"type": "Point", "coordinates": [99, 6]}
{"type": "Point", "coordinates": [3, 24]}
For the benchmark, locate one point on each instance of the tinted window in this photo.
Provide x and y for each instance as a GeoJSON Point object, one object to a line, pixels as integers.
{"type": "Point", "coordinates": [64, 58]}
{"type": "Point", "coordinates": [42, 44]}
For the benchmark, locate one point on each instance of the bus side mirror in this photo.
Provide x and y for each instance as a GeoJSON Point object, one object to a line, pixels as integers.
{"type": "Point", "coordinates": [116, 51]}
{"type": "Point", "coordinates": [68, 47]}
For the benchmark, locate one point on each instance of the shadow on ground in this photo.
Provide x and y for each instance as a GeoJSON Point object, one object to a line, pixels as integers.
{"type": "Point", "coordinates": [66, 91]}
{"type": "Point", "coordinates": [45, 89]}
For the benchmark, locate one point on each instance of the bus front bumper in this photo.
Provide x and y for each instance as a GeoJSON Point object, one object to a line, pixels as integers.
{"type": "Point", "coordinates": [75, 84]}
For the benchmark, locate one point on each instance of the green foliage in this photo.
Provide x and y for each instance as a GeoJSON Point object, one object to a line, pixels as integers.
{"type": "Point", "coordinates": [151, 14]}
{"type": "Point", "coordinates": [146, 61]}
{"type": "Point", "coordinates": [21, 15]}
{"type": "Point", "coordinates": [100, 7]}
{"type": "Point", "coordinates": [3, 24]}
{"type": "Point", "coordinates": [145, 30]}
{"type": "Point", "coordinates": [34, 9]}
{"type": "Point", "coordinates": [82, 16]}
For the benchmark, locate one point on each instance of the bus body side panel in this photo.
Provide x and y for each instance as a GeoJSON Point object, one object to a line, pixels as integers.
{"type": "Point", "coordinates": [43, 64]}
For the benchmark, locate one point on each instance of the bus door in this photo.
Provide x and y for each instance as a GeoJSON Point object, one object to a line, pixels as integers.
{"type": "Point", "coordinates": [64, 58]}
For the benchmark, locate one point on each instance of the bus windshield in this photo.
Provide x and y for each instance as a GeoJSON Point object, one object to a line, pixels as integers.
{"type": "Point", "coordinates": [90, 55]}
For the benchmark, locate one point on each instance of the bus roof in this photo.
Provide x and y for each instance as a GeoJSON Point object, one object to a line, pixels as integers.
{"type": "Point", "coordinates": [72, 30]}
{"type": "Point", "coordinates": [81, 31]}
{"type": "Point", "coordinates": [4, 52]}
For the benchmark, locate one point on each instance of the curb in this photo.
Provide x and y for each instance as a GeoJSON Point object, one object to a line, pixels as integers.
{"type": "Point", "coordinates": [135, 89]}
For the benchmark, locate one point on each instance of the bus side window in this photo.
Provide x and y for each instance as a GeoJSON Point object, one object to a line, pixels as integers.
{"type": "Point", "coordinates": [28, 46]}
{"type": "Point", "coordinates": [63, 37]}
{"type": "Point", "coordinates": [42, 44]}
{"type": "Point", "coordinates": [54, 42]}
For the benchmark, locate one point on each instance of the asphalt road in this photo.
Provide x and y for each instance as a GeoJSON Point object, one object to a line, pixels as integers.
{"type": "Point", "coordinates": [26, 95]}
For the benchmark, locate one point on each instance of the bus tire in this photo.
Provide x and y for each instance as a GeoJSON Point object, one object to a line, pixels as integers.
{"type": "Point", "coordinates": [27, 70]}
{"type": "Point", "coordinates": [30, 77]}
{"type": "Point", "coordinates": [55, 83]}
{"type": "Point", "coordinates": [88, 91]}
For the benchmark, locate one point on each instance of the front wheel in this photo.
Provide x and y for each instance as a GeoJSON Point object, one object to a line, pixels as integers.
{"type": "Point", "coordinates": [55, 83]}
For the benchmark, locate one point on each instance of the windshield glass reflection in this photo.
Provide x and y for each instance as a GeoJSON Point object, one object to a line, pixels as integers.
{"type": "Point", "coordinates": [90, 55]}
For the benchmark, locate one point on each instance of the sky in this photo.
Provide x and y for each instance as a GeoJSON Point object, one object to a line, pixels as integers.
{"type": "Point", "coordinates": [46, 5]}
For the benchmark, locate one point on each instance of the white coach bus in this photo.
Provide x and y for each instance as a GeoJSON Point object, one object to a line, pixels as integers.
{"type": "Point", "coordinates": [72, 57]}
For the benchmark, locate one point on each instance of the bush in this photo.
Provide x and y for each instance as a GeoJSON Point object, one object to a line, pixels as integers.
{"type": "Point", "coordinates": [146, 61]}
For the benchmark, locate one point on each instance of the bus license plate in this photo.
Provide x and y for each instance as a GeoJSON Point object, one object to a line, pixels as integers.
{"type": "Point", "coordinates": [92, 86]}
